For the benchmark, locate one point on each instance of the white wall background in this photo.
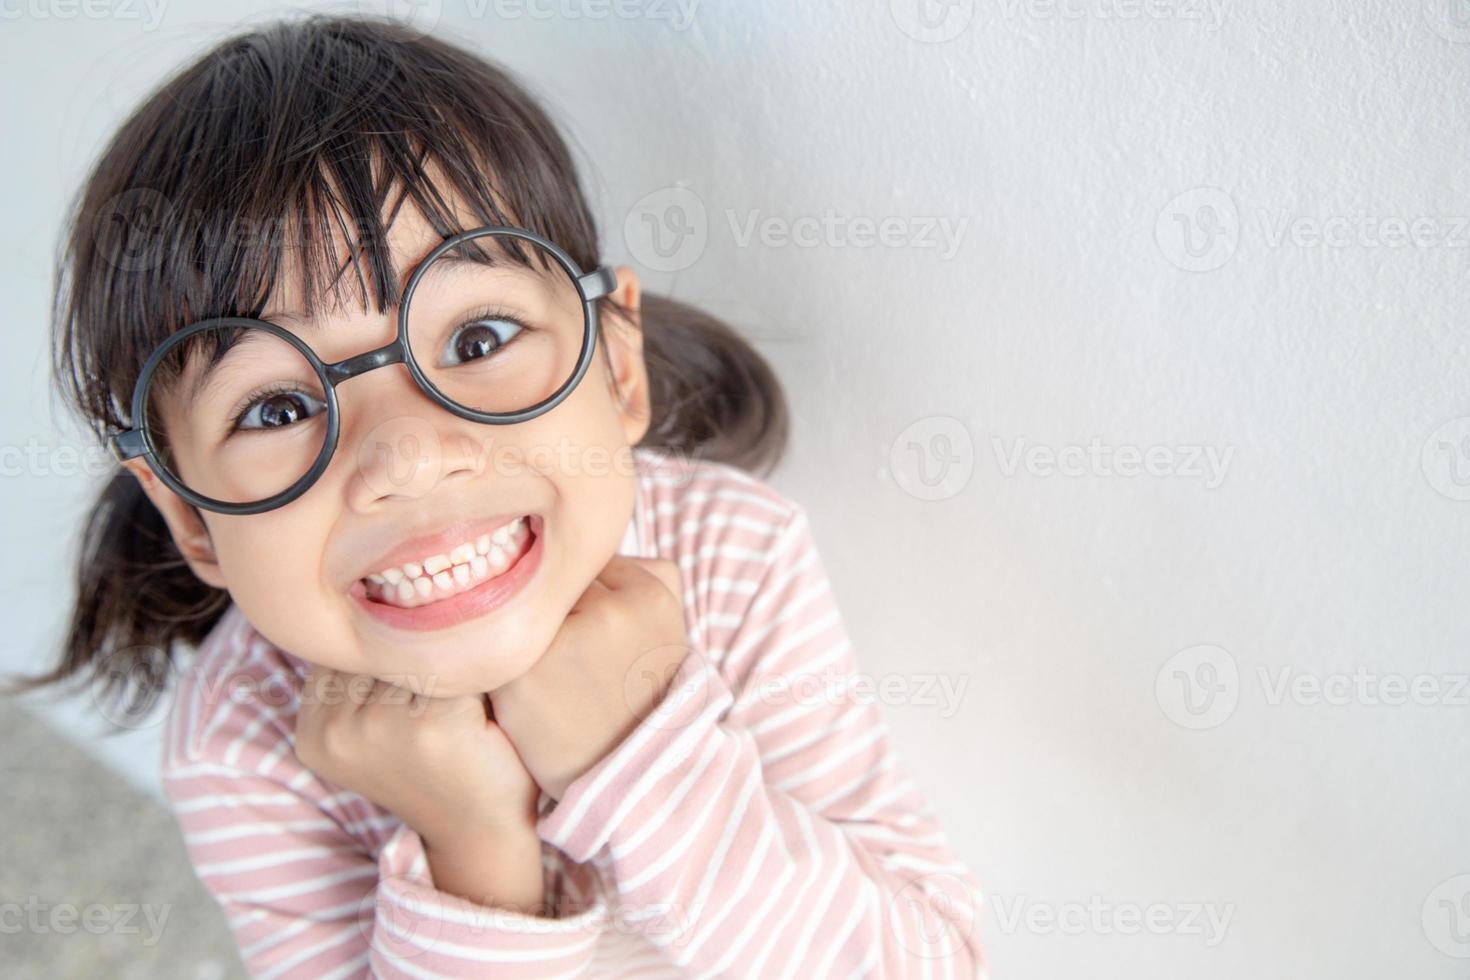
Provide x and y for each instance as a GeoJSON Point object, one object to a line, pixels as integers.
{"type": "Point", "coordinates": [1055, 142]}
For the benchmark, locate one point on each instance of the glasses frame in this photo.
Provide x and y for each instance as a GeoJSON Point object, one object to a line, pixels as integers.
{"type": "Point", "coordinates": [138, 440]}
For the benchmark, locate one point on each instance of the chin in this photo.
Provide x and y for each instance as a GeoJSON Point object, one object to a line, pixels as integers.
{"type": "Point", "coordinates": [469, 664]}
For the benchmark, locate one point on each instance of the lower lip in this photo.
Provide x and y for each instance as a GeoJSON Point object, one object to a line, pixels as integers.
{"type": "Point", "coordinates": [484, 598]}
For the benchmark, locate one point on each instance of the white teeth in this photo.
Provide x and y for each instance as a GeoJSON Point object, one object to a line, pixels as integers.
{"type": "Point", "coordinates": [443, 575]}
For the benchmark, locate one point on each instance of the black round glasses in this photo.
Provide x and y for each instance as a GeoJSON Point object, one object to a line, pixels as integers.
{"type": "Point", "coordinates": [239, 416]}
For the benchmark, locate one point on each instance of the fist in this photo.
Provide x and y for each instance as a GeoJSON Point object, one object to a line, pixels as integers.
{"type": "Point", "coordinates": [608, 666]}
{"type": "Point", "coordinates": [441, 765]}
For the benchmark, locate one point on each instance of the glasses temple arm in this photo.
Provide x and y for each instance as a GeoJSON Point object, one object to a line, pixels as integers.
{"type": "Point", "coordinates": [126, 445]}
{"type": "Point", "coordinates": [598, 283]}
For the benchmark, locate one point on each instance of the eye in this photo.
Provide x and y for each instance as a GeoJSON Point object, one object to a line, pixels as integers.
{"type": "Point", "coordinates": [479, 339]}
{"type": "Point", "coordinates": [278, 410]}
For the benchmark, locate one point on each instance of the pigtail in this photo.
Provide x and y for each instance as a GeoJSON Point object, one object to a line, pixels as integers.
{"type": "Point", "coordinates": [713, 395]}
{"type": "Point", "coordinates": [135, 596]}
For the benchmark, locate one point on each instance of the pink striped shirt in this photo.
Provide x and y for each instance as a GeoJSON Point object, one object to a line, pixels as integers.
{"type": "Point", "coordinates": [757, 823]}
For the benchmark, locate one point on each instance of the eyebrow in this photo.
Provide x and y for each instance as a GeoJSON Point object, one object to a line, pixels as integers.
{"type": "Point", "coordinates": [207, 376]}
{"type": "Point", "coordinates": [309, 325]}
{"type": "Point", "coordinates": [441, 265]}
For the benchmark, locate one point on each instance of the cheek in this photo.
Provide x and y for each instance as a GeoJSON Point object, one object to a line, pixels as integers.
{"type": "Point", "coordinates": [273, 571]}
{"type": "Point", "coordinates": [595, 403]}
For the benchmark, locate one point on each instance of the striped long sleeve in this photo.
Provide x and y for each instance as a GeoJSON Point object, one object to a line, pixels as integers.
{"type": "Point", "coordinates": [757, 823]}
{"type": "Point", "coordinates": [319, 882]}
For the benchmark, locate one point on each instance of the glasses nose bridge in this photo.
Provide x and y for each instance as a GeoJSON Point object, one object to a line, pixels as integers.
{"type": "Point", "coordinates": [351, 367]}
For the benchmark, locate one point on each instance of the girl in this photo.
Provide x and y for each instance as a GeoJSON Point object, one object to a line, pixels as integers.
{"type": "Point", "coordinates": [467, 684]}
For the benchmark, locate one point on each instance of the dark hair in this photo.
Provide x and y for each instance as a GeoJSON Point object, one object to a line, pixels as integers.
{"type": "Point", "coordinates": [297, 132]}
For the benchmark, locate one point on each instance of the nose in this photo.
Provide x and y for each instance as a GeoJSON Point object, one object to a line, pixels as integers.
{"type": "Point", "coordinates": [399, 443]}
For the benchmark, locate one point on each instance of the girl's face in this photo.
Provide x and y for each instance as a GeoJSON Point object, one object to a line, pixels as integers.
{"type": "Point", "coordinates": [525, 516]}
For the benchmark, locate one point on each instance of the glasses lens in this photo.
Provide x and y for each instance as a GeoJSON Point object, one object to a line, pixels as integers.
{"type": "Point", "coordinates": [496, 324]}
{"type": "Point", "coordinates": [237, 414]}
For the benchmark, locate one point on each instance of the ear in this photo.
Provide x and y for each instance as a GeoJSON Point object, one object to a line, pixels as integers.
{"type": "Point", "coordinates": [185, 524]}
{"type": "Point", "coordinates": [629, 371]}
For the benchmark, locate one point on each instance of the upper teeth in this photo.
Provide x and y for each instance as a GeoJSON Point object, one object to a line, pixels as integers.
{"type": "Point", "coordinates": [488, 551]}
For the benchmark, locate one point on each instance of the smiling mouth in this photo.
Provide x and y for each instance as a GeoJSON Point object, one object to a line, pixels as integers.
{"type": "Point", "coordinates": [441, 576]}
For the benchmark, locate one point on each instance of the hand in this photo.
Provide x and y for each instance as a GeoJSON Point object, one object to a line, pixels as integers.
{"type": "Point", "coordinates": [442, 766]}
{"type": "Point", "coordinates": [607, 667]}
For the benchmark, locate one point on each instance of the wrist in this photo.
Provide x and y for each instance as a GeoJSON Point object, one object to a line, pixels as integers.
{"type": "Point", "coordinates": [496, 868]}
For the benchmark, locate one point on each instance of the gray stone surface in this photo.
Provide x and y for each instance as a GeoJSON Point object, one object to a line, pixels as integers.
{"type": "Point", "coordinates": [77, 837]}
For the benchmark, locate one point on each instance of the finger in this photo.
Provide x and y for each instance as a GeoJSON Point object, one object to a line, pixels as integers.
{"type": "Point", "coordinates": [381, 692]}
{"type": "Point", "coordinates": [626, 571]}
{"type": "Point", "coordinates": [665, 572]}
{"type": "Point", "coordinates": [668, 573]}
{"type": "Point", "coordinates": [361, 690]}
{"type": "Point", "coordinates": [414, 683]}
